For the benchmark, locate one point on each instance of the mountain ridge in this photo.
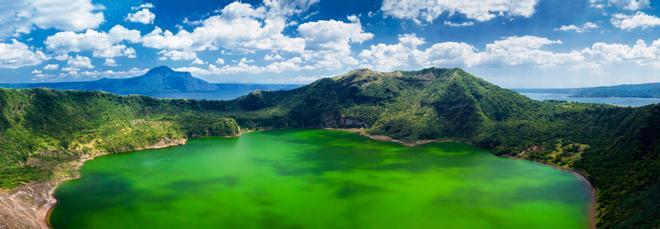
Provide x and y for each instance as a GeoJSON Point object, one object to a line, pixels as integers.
{"type": "Point", "coordinates": [161, 82]}
{"type": "Point", "coordinates": [645, 90]}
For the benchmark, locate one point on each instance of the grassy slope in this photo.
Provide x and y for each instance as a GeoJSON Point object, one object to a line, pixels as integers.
{"type": "Point", "coordinates": [41, 129]}
{"type": "Point", "coordinates": [617, 147]}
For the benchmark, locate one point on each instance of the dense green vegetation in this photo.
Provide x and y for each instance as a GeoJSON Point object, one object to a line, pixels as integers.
{"type": "Point", "coordinates": [40, 129]}
{"type": "Point", "coordinates": [617, 148]}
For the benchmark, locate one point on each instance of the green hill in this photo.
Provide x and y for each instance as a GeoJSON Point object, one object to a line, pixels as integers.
{"type": "Point", "coordinates": [617, 148]}
{"type": "Point", "coordinates": [40, 129]}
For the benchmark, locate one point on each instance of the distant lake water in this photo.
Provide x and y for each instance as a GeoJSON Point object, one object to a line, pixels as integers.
{"type": "Point", "coordinates": [227, 91]}
{"type": "Point", "coordinates": [619, 101]}
{"type": "Point", "coordinates": [318, 179]}
{"type": "Point", "coordinates": [214, 95]}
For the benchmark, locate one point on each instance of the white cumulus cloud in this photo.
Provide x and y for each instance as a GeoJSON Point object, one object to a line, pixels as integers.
{"type": "Point", "coordinates": [21, 16]}
{"type": "Point", "coordinates": [144, 16]}
{"type": "Point", "coordinates": [51, 67]}
{"type": "Point", "coordinates": [177, 55]}
{"type": "Point", "coordinates": [625, 4]}
{"type": "Point", "coordinates": [426, 11]}
{"type": "Point", "coordinates": [102, 44]}
{"type": "Point", "coordinates": [110, 62]}
{"type": "Point", "coordinates": [510, 51]}
{"type": "Point", "coordinates": [579, 29]}
{"type": "Point", "coordinates": [238, 27]}
{"type": "Point", "coordinates": [17, 54]}
{"type": "Point", "coordinates": [78, 62]}
{"type": "Point", "coordinates": [638, 20]}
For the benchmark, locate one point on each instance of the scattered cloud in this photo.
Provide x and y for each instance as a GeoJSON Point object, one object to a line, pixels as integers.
{"type": "Point", "coordinates": [147, 5]}
{"type": "Point", "coordinates": [283, 8]}
{"type": "Point", "coordinates": [331, 34]}
{"type": "Point", "coordinates": [78, 62]}
{"type": "Point", "coordinates": [69, 73]}
{"type": "Point", "coordinates": [51, 67]}
{"type": "Point", "coordinates": [177, 55]}
{"type": "Point", "coordinates": [426, 11]}
{"type": "Point", "coordinates": [638, 20]}
{"type": "Point", "coordinates": [328, 42]}
{"type": "Point", "coordinates": [272, 57]}
{"type": "Point", "coordinates": [110, 62]}
{"type": "Point", "coordinates": [625, 4]}
{"type": "Point", "coordinates": [198, 61]}
{"type": "Point", "coordinates": [144, 16]}
{"type": "Point", "coordinates": [17, 54]}
{"type": "Point", "coordinates": [640, 53]}
{"type": "Point", "coordinates": [238, 27]}
{"type": "Point", "coordinates": [509, 51]}
{"type": "Point", "coordinates": [106, 45]}
{"type": "Point", "coordinates": [461, 24]}
{"type": "Point", "coordinates": [22, 16]}
{"type": "Point", "coordinates": [586, 27]}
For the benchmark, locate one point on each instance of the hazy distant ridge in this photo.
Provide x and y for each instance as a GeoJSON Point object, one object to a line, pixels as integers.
{"type": "Point", "coordinates": [648, 90]}
{"type": "Point", "coordinates": [161, 82]}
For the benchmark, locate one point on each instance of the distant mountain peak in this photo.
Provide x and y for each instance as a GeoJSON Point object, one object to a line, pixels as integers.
{"type": "Point", "coordinates": [160, 69]}
{"type": "Point", "coordinates": [166, 72]}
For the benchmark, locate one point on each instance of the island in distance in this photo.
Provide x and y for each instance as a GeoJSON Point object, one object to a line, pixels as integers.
{"type": "Point", "coordinates": [162, 82]}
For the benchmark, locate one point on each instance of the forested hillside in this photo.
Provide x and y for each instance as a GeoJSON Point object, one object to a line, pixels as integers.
{"type": "Point", "coordinates": [617, 148]}
{"type": "Point", "coordinates": [40, 129]}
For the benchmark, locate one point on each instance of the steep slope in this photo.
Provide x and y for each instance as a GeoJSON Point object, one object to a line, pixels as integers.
{"type": "Point", "coordinates": [41, 129]}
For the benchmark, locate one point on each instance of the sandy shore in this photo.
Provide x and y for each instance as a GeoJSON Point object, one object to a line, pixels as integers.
{"type": "Point", "coordinates": [29, 206]}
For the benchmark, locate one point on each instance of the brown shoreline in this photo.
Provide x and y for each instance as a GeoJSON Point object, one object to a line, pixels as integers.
{"type": "Point", "coordinates": [31, 205]}
{"type": "Point", "coordinates": [163, 143]}
{"type": "Point", "coordinates": [579, 174]}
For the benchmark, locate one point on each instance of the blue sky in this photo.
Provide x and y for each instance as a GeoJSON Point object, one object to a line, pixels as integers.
{"type": "Point", "coordinates": [513, 43]}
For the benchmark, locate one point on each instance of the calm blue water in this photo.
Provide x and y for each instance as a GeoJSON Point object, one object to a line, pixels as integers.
{"type": "Point", "coordinates": [227, 91]}
{"type": "Point", "coordinates": [619, 101]}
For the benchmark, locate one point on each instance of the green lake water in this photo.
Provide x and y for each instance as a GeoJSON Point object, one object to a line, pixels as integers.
{"type": "Point", "coordinates": [318, 179]}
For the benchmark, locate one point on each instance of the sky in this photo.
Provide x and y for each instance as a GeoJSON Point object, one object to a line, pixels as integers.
{"type": "Point", "coordinates": [512, 43]}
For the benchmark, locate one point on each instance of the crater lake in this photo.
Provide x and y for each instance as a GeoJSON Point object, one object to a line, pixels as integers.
{"type": "Point", "coordinates": [313, 178]}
